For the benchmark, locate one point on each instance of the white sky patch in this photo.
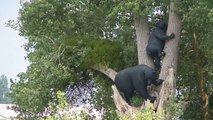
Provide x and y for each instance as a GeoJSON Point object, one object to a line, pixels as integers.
{"type": "Point", "coordinates": [12, 54]}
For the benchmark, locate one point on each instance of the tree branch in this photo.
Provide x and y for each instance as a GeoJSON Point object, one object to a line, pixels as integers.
{"type": "Point", "coordinates": [106, 71]}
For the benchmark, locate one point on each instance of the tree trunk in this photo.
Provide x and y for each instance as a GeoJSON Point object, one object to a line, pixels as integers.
{"type": "Point", "coordinates": [169, 66]}
{"type": "Point", "coordinates": [142, 36]}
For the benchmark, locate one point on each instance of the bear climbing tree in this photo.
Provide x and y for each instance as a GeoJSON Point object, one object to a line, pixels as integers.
{"type": "Point", "coordinates": [157, 42]}
{"type": "Point", "coordinates": [169, 66]}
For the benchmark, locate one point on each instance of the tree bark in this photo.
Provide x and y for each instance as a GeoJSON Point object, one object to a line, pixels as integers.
{"type": "Point", "coordinates": [169, 66]}
{"type": "Point", "coordinates": [105, 70]}
{"type": "Point", "coordinates": [142, 36]}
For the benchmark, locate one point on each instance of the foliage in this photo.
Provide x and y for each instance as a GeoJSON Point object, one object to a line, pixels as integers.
{"type": "Point", "coordinates": [98, 52]}
{"type": "Point", "coordinates": [138, 7]}
{"type": "Point", "coordinates": [144, 114]}
{"type": "Point", "coordinates": [103, 98]}
{"type": "Point", "coordinates": [197, 18]}
{"type": "Point", "coordinates": [4, 90]}
{"type": "Point", "coordinates": [137, 100]}
{"type": "Point", "coordinates": [66, 37]}
{"type": "Point", "coordinates": [54, 64]}
{"type": "Point", "coordinates": [64, 112]}
{"type": "Point", "coordinates": [174, 109]}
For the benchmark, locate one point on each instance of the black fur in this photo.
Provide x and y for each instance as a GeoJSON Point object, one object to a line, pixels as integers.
{"type": "Point", "coordinates": [136, 78]}
{"type": "Point", "coordinates": [157, 41]}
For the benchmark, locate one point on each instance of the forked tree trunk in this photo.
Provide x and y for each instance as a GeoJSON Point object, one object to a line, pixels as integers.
{"type": "Point", "coordinates": [142, 35]}
{"type": "Point", "coordinates": [169, 66]}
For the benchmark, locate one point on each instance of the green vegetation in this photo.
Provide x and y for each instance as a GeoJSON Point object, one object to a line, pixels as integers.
{"type": "Point", "coordinates": [4, 90]}
{"type": "Point", "coordinates": [64, 112]}
{"type": "Point", "coordinates": [65, 38]}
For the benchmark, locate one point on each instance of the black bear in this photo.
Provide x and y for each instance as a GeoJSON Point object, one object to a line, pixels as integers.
{"type": "Point", "coordinates": [137, 79]}
{"type": "Point", "coordinates": [157, 41]}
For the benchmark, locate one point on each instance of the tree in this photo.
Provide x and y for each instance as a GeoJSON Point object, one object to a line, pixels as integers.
{"type": "Point", "coordinates": [195, 45]}
{"type": "Point", "coordinates": [4, 90]}
{"type": "Point", "coordinates": [69, 39]}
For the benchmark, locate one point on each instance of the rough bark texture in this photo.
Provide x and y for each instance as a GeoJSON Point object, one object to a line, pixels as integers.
{"type": "Point", "coordinates": [200, 77]}
{"type": "Point", "coordinates": [142, 36]}
{"type": "Point", "coordinates": [168, 89]}
{"type": "Point", "coordinates": [123, 109]}
{"type": "Point", "coordinates": [169, 66]}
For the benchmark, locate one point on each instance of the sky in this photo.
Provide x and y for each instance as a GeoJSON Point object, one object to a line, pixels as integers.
{"type": "Point", "coordinates": [12, 53]}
